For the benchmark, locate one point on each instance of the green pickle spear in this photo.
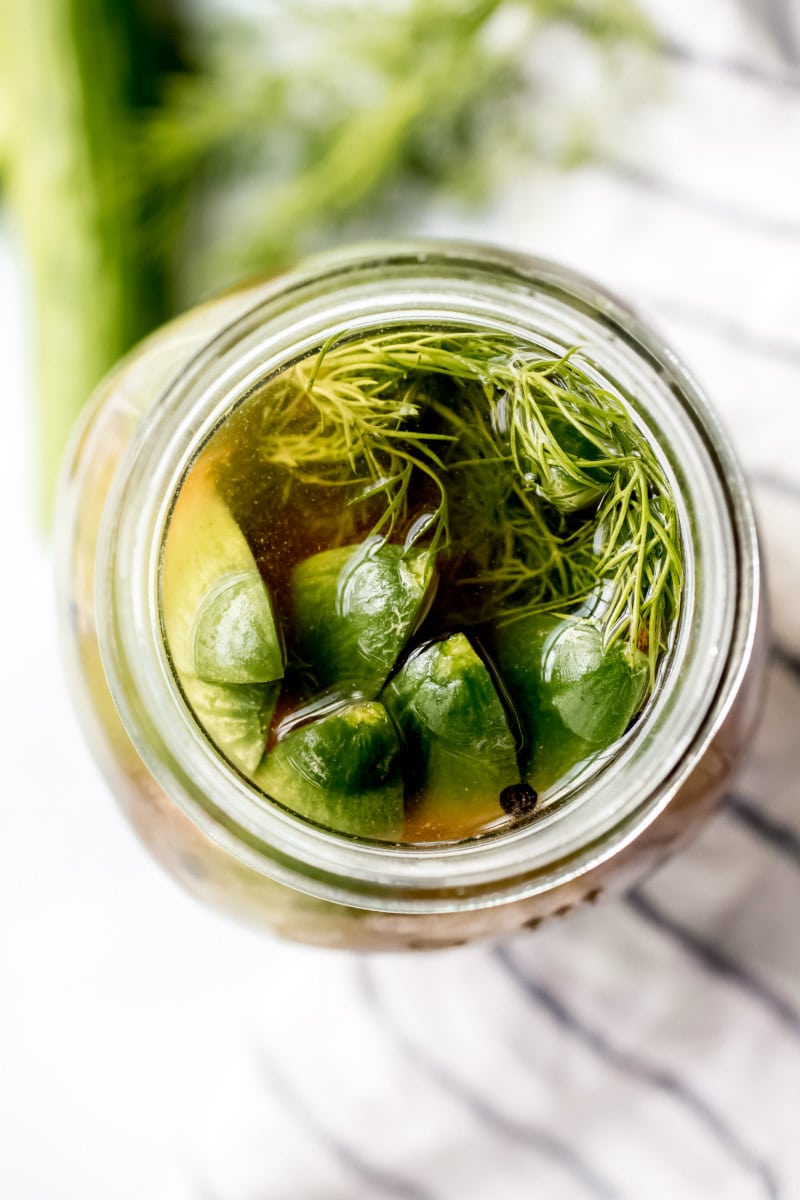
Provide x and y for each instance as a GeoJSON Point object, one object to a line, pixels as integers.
{"type": "Point", "coordinates": [459, 748]}
{"type": "Point", "coordinates": [573, 695]}
{"type": "Point", "coordinates": [236, 716]}
{"type": "Point", "coordinates": [353, 609]}
{"type": "Point", "coordinates": [219, 623]}
{"type": "Point", "coordinates": [217, 610]}
{"type": "Point", "coordinates": [235, 639]}
{"type": "Point", "coordinates": [342, 771]}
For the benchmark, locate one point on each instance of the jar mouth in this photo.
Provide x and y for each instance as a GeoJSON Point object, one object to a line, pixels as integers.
{"type": "Point", "coordinates": [618, 794]}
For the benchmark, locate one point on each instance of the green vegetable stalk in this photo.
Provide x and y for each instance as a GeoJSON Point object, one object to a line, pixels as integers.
{"type": "Point", "coordinates": [72, 72]}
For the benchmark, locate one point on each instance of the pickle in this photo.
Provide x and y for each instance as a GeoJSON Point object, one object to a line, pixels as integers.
{"type": "Point", "coordinates": [458, 744]}
{"type": "Point", "coordinates": [220, 628]}
{"type": "Point", "coordinates": [217, 611]}
{"type": "Point", "coordinates": [568, 488]}
{"type": "Point", "coordinates": [235, 640]}
{"type": "Point", "coordinates": [236, 716]}
{"type": "Point", "coordinates": [342, 771]}
{"type": "Point", "coordinates": [353, 609]}
{"type": "Point", "coordinates": [572, 695]}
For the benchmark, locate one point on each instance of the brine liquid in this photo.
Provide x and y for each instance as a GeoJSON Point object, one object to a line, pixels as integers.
{"type": "Point", "coordinates": [268, 464]}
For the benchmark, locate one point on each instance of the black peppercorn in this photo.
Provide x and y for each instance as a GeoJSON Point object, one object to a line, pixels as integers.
{"type": "Point", "coordinates": [518, 799]}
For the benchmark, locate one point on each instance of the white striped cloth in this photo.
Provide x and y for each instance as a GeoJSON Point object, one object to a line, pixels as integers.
{"type": "Point", "coordinates": [644, 1049]}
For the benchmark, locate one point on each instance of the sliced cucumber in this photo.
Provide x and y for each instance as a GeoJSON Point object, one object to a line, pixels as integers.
{"type": "Point", "coordinates": [573, 696]}
{"type": "Point", "coordinates": [235, 640]}
{"type": "Point", "coordinates": [236, 717]}
{"type": "Point", "coordinates": [217, 611]}
{"type": "Point", "coordinates": [354, 608]}
{"type": "Point", "coordinates": [219, 623]}
{"type": "Point", "coordinates": [342, 771]}
{"type": "Point", "coordinates": [458, 742]}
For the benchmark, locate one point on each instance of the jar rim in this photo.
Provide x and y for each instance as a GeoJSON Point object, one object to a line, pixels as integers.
{"type": "Point", "coordinates": [345, 291]}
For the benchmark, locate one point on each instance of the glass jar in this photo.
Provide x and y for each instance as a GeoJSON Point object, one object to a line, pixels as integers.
{"type": "Point", "coordinates": [197, 815]}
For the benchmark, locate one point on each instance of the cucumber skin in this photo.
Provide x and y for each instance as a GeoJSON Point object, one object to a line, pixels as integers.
{"type": "Point", "coordinates": [204, 542]}
{"type": "Point", "coordinates": [353, 610]}
{"type": "Point", "coordinates": [235, 636]}
{"type": "Point", "coordinates": [455, 733]}
{"type": "Point", "coordinates": [204, 545]}
{"type": "Point", "coordinates": [342, 771]}
{"type": "Point", "coordinates": [572, 697]}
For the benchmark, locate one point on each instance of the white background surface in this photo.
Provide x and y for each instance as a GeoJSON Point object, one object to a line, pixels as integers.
{"type": "Point", "coordinates": [151, 1050]}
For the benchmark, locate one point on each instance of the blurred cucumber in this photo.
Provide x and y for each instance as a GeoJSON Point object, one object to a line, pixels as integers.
{"type": "Point", "coordinates": [73, 74]}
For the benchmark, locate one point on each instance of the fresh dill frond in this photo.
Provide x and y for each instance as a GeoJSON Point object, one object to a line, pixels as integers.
{"type": "Point", "coordinates": [531, 478]}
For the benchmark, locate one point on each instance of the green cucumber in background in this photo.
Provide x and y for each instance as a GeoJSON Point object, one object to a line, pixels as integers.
{"type": "Point", "coordinates": [353, 610]}
{"type": "Point", "coordinates": [342, 771]}
{"type": "Point", "coordinates": [459, 751]}
{"type": "Point", "coordinates": [75, 75]}
{"type": "Point", "coordinates": [572, 695]}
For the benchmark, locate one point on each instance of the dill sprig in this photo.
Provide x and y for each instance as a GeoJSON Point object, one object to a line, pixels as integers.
{"type": "Point", "coordinates": [547, 496]}
{"type": "Point", "coordinates": [576, 447]}
{"type": "Point", "coordinates": [351, 420]}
